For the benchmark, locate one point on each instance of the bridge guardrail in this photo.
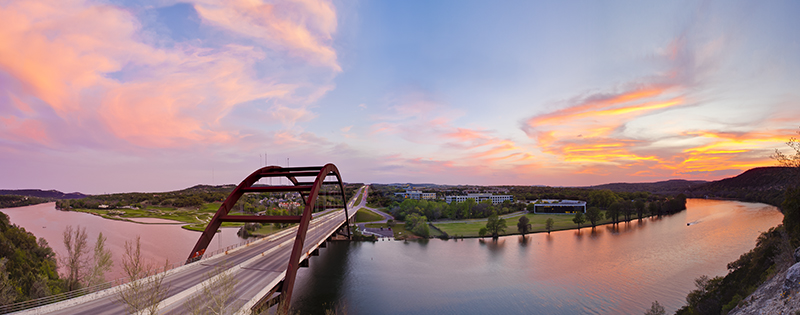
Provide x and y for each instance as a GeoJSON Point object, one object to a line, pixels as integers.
{"type": "Point", "coordinates": [20, 306]}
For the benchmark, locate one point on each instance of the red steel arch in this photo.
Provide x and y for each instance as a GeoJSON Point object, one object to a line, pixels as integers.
{"type": "Point", "coordinates": [308, 191]}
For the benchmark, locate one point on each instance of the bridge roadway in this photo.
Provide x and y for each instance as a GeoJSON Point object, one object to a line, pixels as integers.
{"type": "Point", "coordinates": [257, 268]}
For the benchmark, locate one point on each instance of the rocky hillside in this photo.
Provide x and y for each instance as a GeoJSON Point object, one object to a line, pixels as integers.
{"type": "Point", "coordinates": [778, 295]}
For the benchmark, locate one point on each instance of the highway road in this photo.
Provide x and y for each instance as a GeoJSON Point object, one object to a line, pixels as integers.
{"type": "Point", "coordinates": [256, 267]}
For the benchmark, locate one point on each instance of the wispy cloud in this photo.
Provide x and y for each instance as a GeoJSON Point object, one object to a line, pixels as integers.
{"type": "Point", "coordinates": [597, 132]}
{"type": "Point", "coordinates": [305, 27]}
{"type": "Point", "coordinates": [78, 70]}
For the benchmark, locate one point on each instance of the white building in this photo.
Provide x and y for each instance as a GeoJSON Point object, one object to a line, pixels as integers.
{"type": "Point", "coordinates": [417, 195]}
{"type": "Point", "coordinates": [480, 197]}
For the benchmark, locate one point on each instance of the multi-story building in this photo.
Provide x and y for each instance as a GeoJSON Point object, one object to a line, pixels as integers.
{"type": "Point", "coordinates": [480, 197]}
{"type": "Point", "coordinates": [417, 195]}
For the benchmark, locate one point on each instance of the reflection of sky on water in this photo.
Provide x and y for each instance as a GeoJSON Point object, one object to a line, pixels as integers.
{"type": "Point", "coordinates": [606, 270]}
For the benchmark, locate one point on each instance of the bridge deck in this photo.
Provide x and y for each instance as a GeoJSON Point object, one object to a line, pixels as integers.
{"type": "Point", "coordinates": [257, 268]}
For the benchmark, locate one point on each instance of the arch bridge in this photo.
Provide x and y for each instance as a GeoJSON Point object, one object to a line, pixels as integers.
{"type": "Point", "coordinates": [263, 271]}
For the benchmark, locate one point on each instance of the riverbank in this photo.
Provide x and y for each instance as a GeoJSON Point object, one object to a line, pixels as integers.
{"type": "Point", "coordinates": [561, 222]}
{"type": "Point", "coordinates": [618, 269]}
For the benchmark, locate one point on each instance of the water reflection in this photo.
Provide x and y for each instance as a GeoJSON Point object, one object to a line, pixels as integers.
{"type": "Point", "coordinates": [617, 269]}
{"type": "Point", "coordinates": [43, 220]}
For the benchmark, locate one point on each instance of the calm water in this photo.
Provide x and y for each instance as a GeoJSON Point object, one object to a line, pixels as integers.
{"type": "Point", "coordinates": [159, 241]}
{"type": "Point", "coordinates": [606, 271]}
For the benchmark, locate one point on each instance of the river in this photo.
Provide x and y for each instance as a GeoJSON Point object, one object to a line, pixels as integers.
{"type": "Point", "coordinates": [159, 242]}
{"type": "Point", "coordinates": [608, 270]}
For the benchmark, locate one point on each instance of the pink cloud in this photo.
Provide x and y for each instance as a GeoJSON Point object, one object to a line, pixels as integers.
{"type": "Point", "coordinates": [59, 57]}
{"type": "Point", "coordinates": [304, 27]}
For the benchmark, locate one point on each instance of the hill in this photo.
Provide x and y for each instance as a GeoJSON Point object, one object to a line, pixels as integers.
{"type": "Point", "coordinates": [761, 184]}
{"type": "Point", "coordinates": [48, 194]}
{"type": "Point", "coordinates": [669, 187]}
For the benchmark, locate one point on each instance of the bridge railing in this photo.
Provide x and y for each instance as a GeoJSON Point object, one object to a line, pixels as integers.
{"type": "Point", "coordinates": [10, 308]}
{"type": "Point", "coordinates": [19, 306]}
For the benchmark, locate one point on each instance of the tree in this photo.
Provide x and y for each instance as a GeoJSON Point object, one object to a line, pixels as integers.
{"type": "Point", "coordinates": [627, 209]}
{"type": "Point", "coordinates": [482, 232]}
{"type": "Point", "coordinates": [791, 202]}
{"type": "Point", "coordinates": [146, 288]}
{"type": "Point", "coordinates": [593, 214]}
{"type": "Point", "coordinates": [614, 211]}
{"type": "Point", "coordinates": [792, 160]}
{"type": "Point", "coordinates": [7, 291]}
{"type": "Point", "coordinates": [640, 206]}
{"type": "Point", "coordinates": [495, 225]}
{"type": "Point", "coordinates": [548, 225]}
{"type": "Point", "coordinates": [579, 219]}
{"type": "Point", "coordinates": [524, 226]}
{"type": "Point", "coordinates": [656, 309]}
{"type": "Point", "coordinates": [101, 263]}
{"type": "Point", "coordinates": [76, 262]}
{"type": "Point", "coordinates": [215, 293]}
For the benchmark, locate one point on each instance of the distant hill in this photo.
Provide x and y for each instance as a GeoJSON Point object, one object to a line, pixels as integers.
{"type": "Point", "coordinates": [50, 194]}
{"type": "Point", "coordinates": [761, 184]}
{"type": "Point", "coordinates": [669, 187]}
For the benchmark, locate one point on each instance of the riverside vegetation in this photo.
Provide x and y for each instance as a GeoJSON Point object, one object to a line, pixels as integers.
{"type": "Point", "coordinates": [194, 206]}
{"type": "Point", "coordinates": [773, 253]}
{"type": "Point", "coordinates": [469, 217]}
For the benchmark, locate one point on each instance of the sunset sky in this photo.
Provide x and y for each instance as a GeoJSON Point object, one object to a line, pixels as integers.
{"type": "Point", "coordinates": [117, 96]}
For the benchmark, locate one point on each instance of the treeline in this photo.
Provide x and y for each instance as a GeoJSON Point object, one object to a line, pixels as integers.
{"type": "Point", "coordinates": [594, 197]}
{"type": "Point", "coordinates": [190, 197]}
{"type": "Point", "coordinates": [773, 253]}
{"type": "Point", "coordinates": [11, 201]}
{"type": "Point", "coordinates": [435, 209]}
{"type": "Point", "coordinates": [27, 265]}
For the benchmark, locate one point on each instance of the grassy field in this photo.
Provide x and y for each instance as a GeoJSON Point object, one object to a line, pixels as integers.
{"type": "Point", "coordinates": [364, 215]}
{"type": "Point", "coordinates": [196, 218]}
{"type": "Point", "coordinates": [537, 221]}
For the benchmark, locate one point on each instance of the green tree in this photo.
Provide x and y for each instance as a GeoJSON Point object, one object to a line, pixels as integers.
{"type": "Point", "coordinates": [7, 291]}
{"type": "Point", "coordinates": [524, 225]}
{"type": "Point", "coordinates": [548, 224]}
{"type": "Point", "coordinates": [495, 225]}
{"type": "Point", "coordinates": [579, 219]}
{"type": "Point", "coordinates": [594, 215]}
{"type": "Point", "coordinates": [614, 211]}
{"type": "Point", "coordinates": [482, 232]}
{"type": "Point", "coordinates": [656, 309]}
{"type": "Point", "coordinates": [640, 206]}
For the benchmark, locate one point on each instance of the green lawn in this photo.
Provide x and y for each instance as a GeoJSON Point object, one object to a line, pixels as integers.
{"type": "Point", "coordinates": [364, 215]}
{"type": "Point", "coordinates": [196, 218]}
{"type": "Point", "coordinates": [537, 221]}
